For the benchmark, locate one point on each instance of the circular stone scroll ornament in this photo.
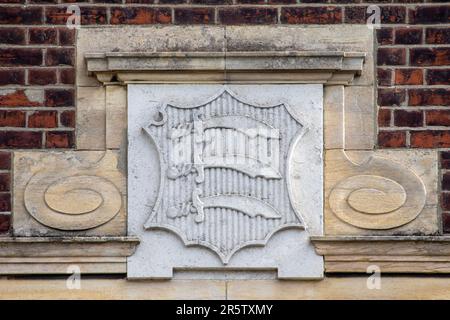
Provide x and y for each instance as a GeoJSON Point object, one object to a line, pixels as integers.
{"type": "Point", "coordinates": [71, 202]}
{"type": "Point", "coordinates": [388, 196]}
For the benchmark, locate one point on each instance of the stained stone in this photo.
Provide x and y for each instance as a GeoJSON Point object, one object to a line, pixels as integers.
{"type": "Point", "coordinates": [225, 178]}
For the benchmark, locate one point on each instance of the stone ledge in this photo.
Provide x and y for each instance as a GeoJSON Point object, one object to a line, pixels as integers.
{"type": "Point", "coordinates": [334, 67]}
{"type": "Point", "coordinates": [409, 287]}
{"type": "Point", "coordinates": [53, 255]}
{"type": "Point", "coordinates": [392, 254]}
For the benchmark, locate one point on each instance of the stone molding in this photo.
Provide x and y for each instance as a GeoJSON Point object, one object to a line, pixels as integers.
{"type": "Point", "coordinates": [392, 254]}
{"type": "Point", "coordinates": [327, 67]}
{"type": "Point", "coordinates": [49, 255]}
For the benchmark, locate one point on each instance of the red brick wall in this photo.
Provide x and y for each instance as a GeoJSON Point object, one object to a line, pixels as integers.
{"type": "Point", "coordinates": [37, 104]}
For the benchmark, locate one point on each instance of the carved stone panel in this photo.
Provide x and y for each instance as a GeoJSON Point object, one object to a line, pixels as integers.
{"type": "Point", "coordinates": [69, 193]}
{"type": "Point", "coordinates": [225, 178]}
{"type": "Point", "coordinates": [381, 192]}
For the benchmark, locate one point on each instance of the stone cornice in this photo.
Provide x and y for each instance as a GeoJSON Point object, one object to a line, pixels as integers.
{"type": "Point", "coordinates": [391, 254]}
{"type": "Point", "coordinates": [334, 67]}
{"type": "Point", "coordinates": [53, 255]}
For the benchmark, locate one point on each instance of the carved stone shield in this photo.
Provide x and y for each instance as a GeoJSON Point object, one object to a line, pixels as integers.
{"type": "Point", "coordinates": [225, 163]}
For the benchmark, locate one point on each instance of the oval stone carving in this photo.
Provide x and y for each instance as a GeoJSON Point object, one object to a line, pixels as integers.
{"type": "Point", "coordinates": [380, 195]}
{"type": "Point", "coordinates": [71, 202]}
{"type": "Point", "coordinates": [384, 195]}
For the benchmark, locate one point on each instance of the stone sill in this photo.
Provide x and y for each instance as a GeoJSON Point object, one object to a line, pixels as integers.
{"type": "Point", "coordinates": [54, 255]}
{"type": "Point", "coordinates": [392, 254]}
{"type": "Point", "coordinates": [266, 66]}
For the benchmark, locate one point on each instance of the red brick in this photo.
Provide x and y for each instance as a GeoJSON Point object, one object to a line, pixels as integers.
{"type": "Point", "coordinates": [67, 76]}
{"type": "Point", "coordinates": [408, 36]}
{"type": "Point", "coordinates": [59, 98]}
{"type": "Point", "coordinates": [430, 15]}
{"type": "Point", "coordinates": [430, 56]}
{"type": "Point", "coordinates": [56, 15]}
{"type": "Point", "coordinates": [43, 119]}
{"type": "Point", "coordinates": [67, 119]}
{"type": "Point", "coordinates": [438, 76]}
{"type": "Point", "coordinates": [391, 97]}
{"type": "Point", "coordinates": [446, 222]}
{"type": "Point", "coordinates": [433, 97]}
{"type": "Point", "coordinates": [391, 56]}
{"type": "Point", "coordinates": [5, 222]}
{"type": "Point", "coordinates": [5, 182]}
{"type": "Point", "coordinates": [445, 160]}
{"type": "Point", "coordinates": [140, 15]}
{"type": "Point", "coordinates": [446, 181]}
{"type": "Point", "coordinates": [66, 36]}
{"type": "Point", "coordinates": [60, 139]}
{"type": "Point", "coordinates": [43, 36]}
{"type": "Point", "coordinates": [173, 1]}
{"type": "Point", "coordinates": [93, 15]}
{"type": "Point", "coordinates": [394, 14]}
{"type": "Point", "coordinates": [248, 16]}
{"type": "Point", "coordinates": [430, 139]}
{"type": "Point", "coordinates": [5, 160]}
{"type": "Point", "coordinates": [445, 201]}
{"type": "Point", "coordinates": [41, 76]}
{"type": "Point", "coordinates": [12, 118]}
{"type": "Point", "coordinates": [437, 35]}
{"type": "Point", "coordinates": [60, 56]}
{"type": "Point", "coordinates": [384, 117]}
{"type": "Point", "coordinates": [10, 57]}
{"type": "Point", "coordinates": [12, 36]}
{"type": "Point", "coordinates": [286, 1]}
{"type": "Point", "coordinates": [21, 15]}
{"type": "Point", "coordinates": [392, 139]}
{"type": "Point", "coordinates": [12, 77]}
{"type": "Point", "coordinates": [89, 15]}
{"type": "Point", "coordinates": [141, 1]}
{"type": "Point", "coordinates": [438, 117]}
{"type": "Point", "coordinates": [408, 76]}
{"type": "Point", "coordinates": [403, 118]}
{"type": "Point", "coordinates": [212, 2]}
{"type": "Point", "coordinates": [385, 36]}
{"type": "Point", "coordinates": [20, 139]}
{"type": "Point", "coordinates": [311, 15]}
{"type": "Point", "coordinates": [384, 77]}
{"type": "Point", "coordinates": [5, 206]}
{"type": "Point", "coordinates": [194, 16]}
{"type": "Point", "coordinates": [17, 98]}
{"type": "Point", "coordinates": [107, 1]}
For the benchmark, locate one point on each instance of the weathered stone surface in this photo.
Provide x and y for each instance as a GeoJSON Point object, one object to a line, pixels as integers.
{"type": "Point", "coordinates": [90, 126]}
{"type": "Point", "coordinates": [116, 117]}
{"type": "Point", "coordinates": [226, 39]}
{"type": "Point", "coordinates": [256, 191]}
{"type": "Point", "coordinates": [107, 289]}
{"type": "Point", "coordinates": [49, 255]}
{"type": "Point", "coordinates": [145, 39]}
{"type": "Point", "coordinates": [333, 113]}
{"type": "Point", "coordinates": [69, 193]}
{"type": "Point", "coordinates": [395, 254]}
{"type": "Point", "coordinates": [331, 288]}
{"type": "Point", "coordinates": [359, 118]}
{"type": "Point", "coordinates": [380, 193]}
{"type": "Point", "coordinates": [421, 288]}
{"type": "Point", "coordinates": [334, 67]}
{"type": "Point", "coordinates": [357, 38]}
